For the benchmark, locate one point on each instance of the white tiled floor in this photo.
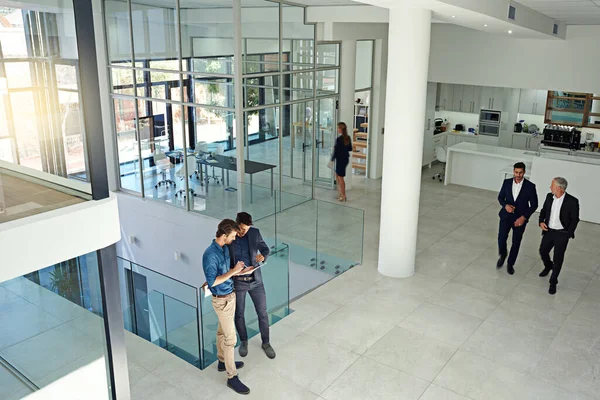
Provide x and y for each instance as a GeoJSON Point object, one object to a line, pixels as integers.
{"type": "Point", "coordinates": [458, 329]}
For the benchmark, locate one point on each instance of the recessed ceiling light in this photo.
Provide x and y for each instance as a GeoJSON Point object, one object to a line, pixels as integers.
{"type": "Point", "coordinates": [454, 16]}
{"type": "Point", "coordinates": [509, 32]}
{"type": "Point", "coordinates": [485, 25]}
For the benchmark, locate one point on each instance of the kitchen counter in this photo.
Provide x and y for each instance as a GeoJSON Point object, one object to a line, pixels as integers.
{"type": "Point", "coordinates": [457, 133]}
{"type": "Point", "coordinates": [484, 167]}
{"type": "Point", "coordinates": [527, 134]}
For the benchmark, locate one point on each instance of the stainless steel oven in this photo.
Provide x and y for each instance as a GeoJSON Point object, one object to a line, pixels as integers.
{"type": "Point", "coordinates": [489, 122]}
{"type": "Point", "coordinates": [489, 129]}
{"type": "Point", "coordinates": [490, 116]}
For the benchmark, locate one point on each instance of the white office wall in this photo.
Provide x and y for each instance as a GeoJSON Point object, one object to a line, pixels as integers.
{"type": "Point", "coordinates": [364, 64]}
{"type": "Point", "coordinates": [160, 230]}
{"type": "Point", "coordinates": [460, 55]}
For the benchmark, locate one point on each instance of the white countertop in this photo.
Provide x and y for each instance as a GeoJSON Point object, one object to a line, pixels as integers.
{"type": "Point", "coordinates": [493, 151]}
{"type": "Point", "coordinates": [539, 134]}
{"type": "Point", "coordinates": [593, 159]}
{"type": "Point", "coordinates": [463, 133]}
{"type": "Point", "coordinates": [522, 155]}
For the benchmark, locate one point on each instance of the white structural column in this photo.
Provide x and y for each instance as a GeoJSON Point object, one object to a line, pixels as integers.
{"type": "Point", "coordinates": [347, 93]}
{"type": "Point", "coordinates": [408, 63]}
{"type": "Point", "coordinates": [239, 105]}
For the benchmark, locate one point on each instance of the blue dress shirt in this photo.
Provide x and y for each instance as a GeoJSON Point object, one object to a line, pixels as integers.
{"type": "Point", "coordinates": [215, 262]}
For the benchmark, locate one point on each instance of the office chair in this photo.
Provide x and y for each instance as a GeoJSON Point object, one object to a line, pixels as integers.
{"type": "Point", "coordinates": [440, 154]}
{"type": "Point", "coordinates": [191, 160]}
{"type": "Point", "coordinates": [163, 164]}
{"type": "Point", "coordinates": [201, 148]}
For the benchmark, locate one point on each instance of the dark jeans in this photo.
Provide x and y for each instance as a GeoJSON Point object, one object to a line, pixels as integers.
{"type": "Point", "coordinates": [557, 240]}
{"type": "Point", "coordinates": [259, 298]}
{"type": "Point", "coordinates": [517, 235]}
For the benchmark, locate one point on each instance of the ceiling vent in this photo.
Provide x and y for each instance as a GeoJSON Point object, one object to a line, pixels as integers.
{"type": "Point", "coordinates": [512, 12]}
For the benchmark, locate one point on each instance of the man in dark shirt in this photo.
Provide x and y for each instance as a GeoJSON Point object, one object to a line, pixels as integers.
{"type": "Point", "coordinates": [251, 249]}
{"type": "Point", "coordinates": [219, 274]}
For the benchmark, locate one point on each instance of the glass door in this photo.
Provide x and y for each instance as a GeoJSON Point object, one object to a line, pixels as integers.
{"type": "Point", "coordinates": [307, 140]}
{"type": "Point", "coordinates": [325, 124]}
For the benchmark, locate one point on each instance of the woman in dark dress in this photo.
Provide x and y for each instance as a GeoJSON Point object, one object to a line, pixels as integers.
{"type": "Point", "coordinates": [341, 156]}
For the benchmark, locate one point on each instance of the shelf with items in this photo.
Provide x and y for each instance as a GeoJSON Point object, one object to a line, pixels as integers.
{"type": "Point", "coordinates": [359, 149]}
{"type": "Point", "coordinates": [361, 117]}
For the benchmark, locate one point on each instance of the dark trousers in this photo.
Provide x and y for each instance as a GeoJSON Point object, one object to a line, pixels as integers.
{"type": "Point", "coordinates": [557, 240]}
{"type": "Point", "coordinates": [258, 295]}
{"type": "Point", "coordinates": [506, 225]}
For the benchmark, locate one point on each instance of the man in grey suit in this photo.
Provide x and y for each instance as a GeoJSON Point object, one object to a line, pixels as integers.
{"type": "Point", "coordinates": [250, 248]}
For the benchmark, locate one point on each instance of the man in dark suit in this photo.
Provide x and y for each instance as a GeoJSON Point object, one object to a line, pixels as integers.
{"type": "Point", "coordinates": [558, 219]}
{"type": "Point", "coordinates": [519, 201]}
{"type": "Point", "coordinates": [250, 248]}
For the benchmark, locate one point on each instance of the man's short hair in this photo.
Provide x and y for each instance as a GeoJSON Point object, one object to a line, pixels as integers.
{"type": "Point", "coordinates": [561, 182]}
{"type": "Point", "coordinates": [244, 218]}
{"type": "Point", "coordinates": [226, 227]}
{"type": "Point", "coordinates": [519, 165]}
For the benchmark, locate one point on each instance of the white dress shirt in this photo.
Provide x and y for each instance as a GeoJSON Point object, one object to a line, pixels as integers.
{"type": "Point", "coordinates": [554, 222]}
{"type": "Point", "coordinates": [516, 189]}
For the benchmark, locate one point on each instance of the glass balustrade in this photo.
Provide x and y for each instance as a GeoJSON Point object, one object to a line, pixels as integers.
{"type": "Point", "coordinates": [52, 331]}
{"type": "Point", "coordinates": [161, 310]}
{"type": "Point", "coordinates": [339, 237]}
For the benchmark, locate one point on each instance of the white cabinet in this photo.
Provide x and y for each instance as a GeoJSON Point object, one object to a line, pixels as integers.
{"type": "Point", "coordinates": [468, 139]}
{"type": "Point", "coordinates": [532, 101]}
{"type": "Point", "coordinates": [438, 140]}
{"type": "Point", "coordinates": [457, 98]}
{"type": "Point", "coordinates": [519, 142]}
{"type": "Point", "coordinates": [451, 140]}
{"type": "Point", "coordinates": [471, 99]}
{"type": "Point", "coordinates": [493, 98]}
{"type": "Point", "coordinates": [464, 98]}
{"type": "Point", "coordinates": [525, 142]}
{"type": "Point", "coordinates": [444, 96]}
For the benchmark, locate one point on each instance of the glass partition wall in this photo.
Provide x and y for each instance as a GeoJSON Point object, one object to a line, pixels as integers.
{"type": "Point", "coordinates": [173, 87]}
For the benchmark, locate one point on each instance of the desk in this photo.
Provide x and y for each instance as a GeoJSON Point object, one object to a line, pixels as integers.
{"type": "Point", "coordinates": [226, 164]}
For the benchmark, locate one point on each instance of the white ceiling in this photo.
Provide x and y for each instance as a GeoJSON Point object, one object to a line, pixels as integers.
{"type": "Point", "coordinates": [571, 12]}
{"type": "Point", "coordinates": [245, 3]}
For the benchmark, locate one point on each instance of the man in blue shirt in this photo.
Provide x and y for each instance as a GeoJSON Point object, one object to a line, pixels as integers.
{"type": "Point", "coordinates": [251, 249]}
{"type": "Point", "coordinates": [219, 274]}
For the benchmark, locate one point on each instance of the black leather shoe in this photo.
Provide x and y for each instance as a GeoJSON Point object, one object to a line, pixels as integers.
{"type": "Point", "coordinates": [221, 366]}
{"type": "Point", "coordinates": [501, 260]}
{"type": "Point", "coordinates": [237, 386]}
{"type": "Point", "coordinates": [552, 289]}
{"type": "Point", "coordinates": [510, 269]}
{"type": "Point", "coordinates": [244, 349]}
{"type": "Point", "coordinates": [269, 350]}
{"type": "Point", "coordinates": [545, 272]}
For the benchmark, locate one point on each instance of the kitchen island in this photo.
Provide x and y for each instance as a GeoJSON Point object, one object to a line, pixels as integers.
{"type": "Point", "coordinates": [484, 167]}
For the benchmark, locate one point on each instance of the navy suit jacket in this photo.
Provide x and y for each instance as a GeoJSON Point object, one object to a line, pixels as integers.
{"type": "Point", "coordinates": [526, 203]}
{"type": "Point", "coordinates": [257, 245]}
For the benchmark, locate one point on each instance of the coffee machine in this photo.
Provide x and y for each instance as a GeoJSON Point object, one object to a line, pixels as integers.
{"type": "Point", "coordinates": [562, 136]}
